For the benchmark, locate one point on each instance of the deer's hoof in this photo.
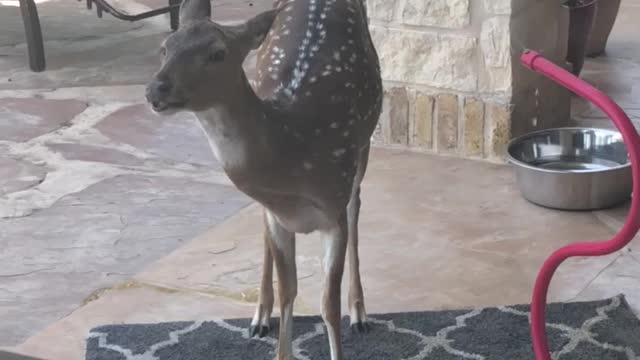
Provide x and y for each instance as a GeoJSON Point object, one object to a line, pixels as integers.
{"type": "Point", "coordinates": [361, 327]}
{"type": "Point", "coordinates": [259, 331]}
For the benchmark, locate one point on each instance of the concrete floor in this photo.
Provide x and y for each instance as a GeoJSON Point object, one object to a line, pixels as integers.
{"type": "Point", "coordinates": [100, 201]}
{"type": "Point", "coordinates": [93, 186]}
{"type": "Point", "coordinates": [617, 73]}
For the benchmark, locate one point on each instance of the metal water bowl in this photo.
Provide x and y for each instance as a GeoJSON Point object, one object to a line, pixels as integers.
{"type": "Point", "coordinates": [572, 168]}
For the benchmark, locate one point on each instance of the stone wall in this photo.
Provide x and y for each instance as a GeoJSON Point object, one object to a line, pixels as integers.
{"type": "Point", "coordinates": [452, 75]}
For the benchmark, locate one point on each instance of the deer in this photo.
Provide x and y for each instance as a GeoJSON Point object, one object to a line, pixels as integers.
{"type": "Point", "coordinates": [296, 140]}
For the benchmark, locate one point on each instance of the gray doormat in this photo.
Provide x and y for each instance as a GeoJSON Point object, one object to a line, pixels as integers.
{"type": "Point", "coordinates": [602, 330]}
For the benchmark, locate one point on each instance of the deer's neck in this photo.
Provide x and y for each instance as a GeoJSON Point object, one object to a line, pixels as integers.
{"type": "Point", "coordinates": [237, 127]}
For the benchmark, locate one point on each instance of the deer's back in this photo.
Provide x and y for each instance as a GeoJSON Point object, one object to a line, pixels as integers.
{"type": "Point", "coordinates": [318, 71]}
{"type": "Point", "coordinates": [318, 60]}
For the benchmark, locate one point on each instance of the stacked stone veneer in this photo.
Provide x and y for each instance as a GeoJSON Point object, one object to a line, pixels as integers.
{"type": "Point", "coordinates": [453, 81]}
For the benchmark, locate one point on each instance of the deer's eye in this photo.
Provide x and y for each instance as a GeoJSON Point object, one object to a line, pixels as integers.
{"type": "Point", "coordinates": [217, 56]}
{"type": "Point", "coordinates": [163, 51]}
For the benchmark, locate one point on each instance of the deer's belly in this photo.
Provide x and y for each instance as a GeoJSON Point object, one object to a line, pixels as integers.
{"type": "Point", "coordinates": [297, 214]}
{"type": "Point", "coordinates": [303, 219]}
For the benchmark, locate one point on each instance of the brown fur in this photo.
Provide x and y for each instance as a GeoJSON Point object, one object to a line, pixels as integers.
{"type": "Point", "coordinates": [298, 143]}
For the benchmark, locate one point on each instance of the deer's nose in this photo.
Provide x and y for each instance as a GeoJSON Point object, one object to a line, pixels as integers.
{"type": "Point", "coordinates": [159, 89]}
{"type": "Point", "coordinates": [158, 93]}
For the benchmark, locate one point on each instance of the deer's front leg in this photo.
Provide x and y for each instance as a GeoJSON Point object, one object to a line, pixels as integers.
{"type": "Point", "coordinates": [283, 249]}
{"type": "Point", "coordinates": [260, 325]}
{"type": "Point", "coordinates": [335, 252]}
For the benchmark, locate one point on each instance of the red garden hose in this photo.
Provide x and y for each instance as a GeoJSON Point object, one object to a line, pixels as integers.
{"type": "Point", "coordinates": [536, 62]}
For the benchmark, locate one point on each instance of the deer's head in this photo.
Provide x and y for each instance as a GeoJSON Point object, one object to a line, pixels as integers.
{"type": "Point", "coordinates": [202, 60]}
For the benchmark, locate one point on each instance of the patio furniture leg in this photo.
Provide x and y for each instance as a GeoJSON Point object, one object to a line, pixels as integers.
{"type": "Point", "coordinates": [33, 34]}
{"type": "Point", "coordinates": [175, 14]}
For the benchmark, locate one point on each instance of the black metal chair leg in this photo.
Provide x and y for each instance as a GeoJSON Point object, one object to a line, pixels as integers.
{"type": "Point", "coordinates": [174, 14]}
{"type": "Point", "coordinates": [33, 34]}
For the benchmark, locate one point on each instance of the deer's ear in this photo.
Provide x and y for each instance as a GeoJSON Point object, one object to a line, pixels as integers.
{"type": "Point", "coordinates": [256, 29]}
{"type": "Point", "coordinates": [191, 10]}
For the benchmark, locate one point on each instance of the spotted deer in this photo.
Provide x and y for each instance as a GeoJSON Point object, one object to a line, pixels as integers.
{"type": "Point", "coordinates": [296, 141]}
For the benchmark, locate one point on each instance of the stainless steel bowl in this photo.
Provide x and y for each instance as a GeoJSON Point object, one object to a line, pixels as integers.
{"type": "Point", "coordinates": [572, 168]}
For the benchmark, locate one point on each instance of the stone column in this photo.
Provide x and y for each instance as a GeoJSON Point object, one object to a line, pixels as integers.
{"type": "Point", "coordinates": [452, 75]}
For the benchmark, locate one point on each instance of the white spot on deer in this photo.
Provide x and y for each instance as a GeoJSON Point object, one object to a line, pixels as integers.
{"type": "Point", "coordinates": [334, 125]}
{"type": "Point", "coordinates": [307, 165]}
{"type": "Point", "coordinates": [346, 133]}
{"type": "Point", "coordinates": [339, 152]}
{"type": "Point", "coordinates": [307, 49]}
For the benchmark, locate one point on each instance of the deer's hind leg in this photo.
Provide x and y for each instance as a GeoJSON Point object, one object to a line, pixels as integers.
{"type": "Point", "coordinates": [335, 243]}
{"type": "Point", "coordinates": [356, 295]}
{"type": "Point", "coordinates": [260, 325]}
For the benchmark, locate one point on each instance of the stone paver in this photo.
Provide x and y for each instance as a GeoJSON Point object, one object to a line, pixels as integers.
{"type": "Point", "coordinates": [53, 259]}
{"type": "Point", "coordinates": [92, 194]}
{"type": "Point", "coordinates": [180, 140]}
{"type": "Point", "coordinates": [83, 50]}
{"type": "Point", "coordinates": [91, 153]}
{"type": "Point", "coordinates": [17, 175]}
{"type": "Point", "coordinates": [24, 119]}
{"type": "Point", "coordinates": [93, 185]}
